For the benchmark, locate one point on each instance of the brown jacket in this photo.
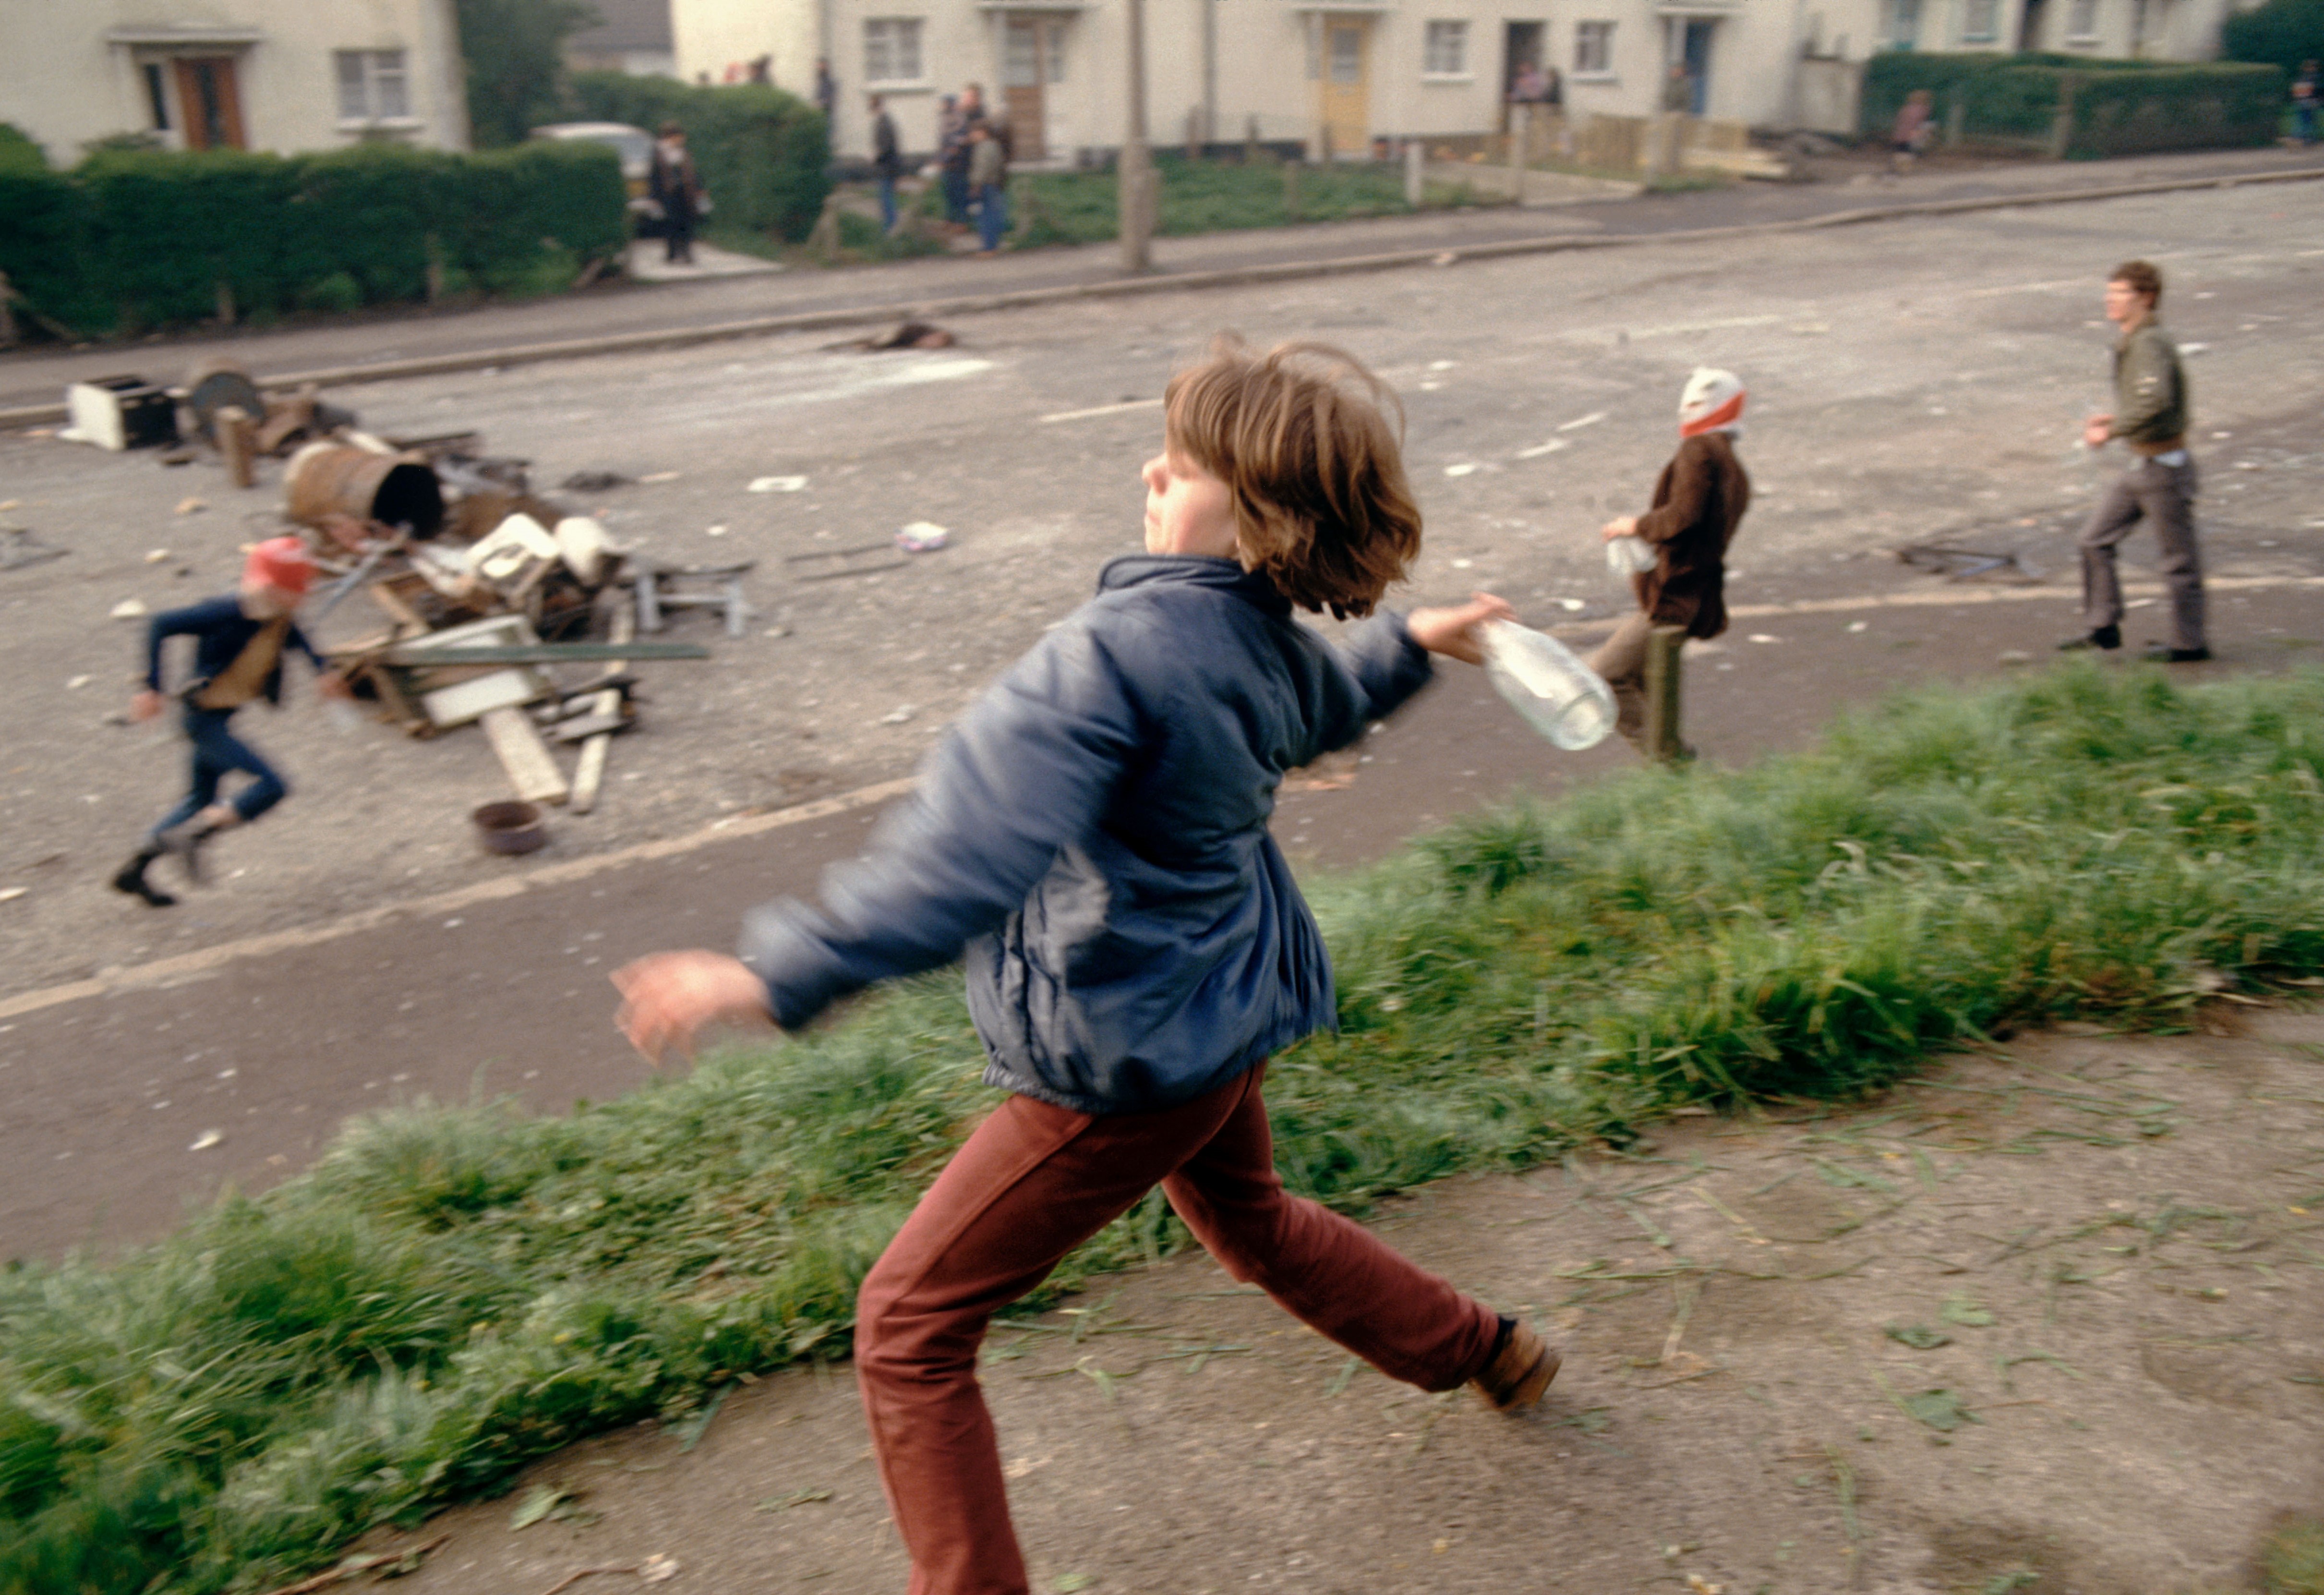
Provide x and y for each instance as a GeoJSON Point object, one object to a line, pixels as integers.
{"type": "Point", "coordinates": [1699, 502]}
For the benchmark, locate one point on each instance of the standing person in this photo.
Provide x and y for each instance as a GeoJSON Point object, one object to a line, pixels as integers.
{"type": "Point", "coordinates": [1093, 834]}
{"type": "Point", "coordinates": [762, 70]}
{"type": "Point", "coordinates": [988, 184]}
{"type": "Point", "coordinates": [951, 160]}
{"type": "Point", "coordinates": [2151, 414]}
{"type": "Point", "coordinates": [1911, 132]}
{"type": "Point", "coordinates": [1699, 502]}
{"type": "Point", "coordinates": [677, 187]}
{"type": "Point", "coordinates": [238, 645]}
{"type": "Point", "coordinates": [887, 161]}
{"type": "Point", "coordinates": [2306, 96]}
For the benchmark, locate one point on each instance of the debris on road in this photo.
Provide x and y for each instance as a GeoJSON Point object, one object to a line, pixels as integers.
{"type": "Point", "coordinates": [128, 609]}
{"type": "Point", "coordinates": [903, 334]}
{"type": "Point", "coordinates": [596, 482]}
{"type": "Point", "coordinates": [921, 537]}
{"type": "Point", "coordinates": [19, 548]}
{"type": "Point", "coordinates": [777, 484]}
{"type": "Point", "coordinates": [844, 562]}
{"type": "Point", "coordinates": [1957, 564]}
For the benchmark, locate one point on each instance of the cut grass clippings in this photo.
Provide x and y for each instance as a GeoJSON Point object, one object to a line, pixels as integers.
{"type": "Point", "coordinates": [454, 1290]}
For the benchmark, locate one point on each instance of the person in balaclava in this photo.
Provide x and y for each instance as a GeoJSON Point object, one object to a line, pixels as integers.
{"type": "Point", "coordinates": [1699, 501]}
{"type": "Point", "coordinates": [239, 641]}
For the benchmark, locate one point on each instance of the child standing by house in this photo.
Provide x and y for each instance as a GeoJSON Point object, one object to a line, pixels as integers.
{"type": "Point", "coordinates": [238, 644]}
{"type": "Point", "coordinates": [1092, 833]}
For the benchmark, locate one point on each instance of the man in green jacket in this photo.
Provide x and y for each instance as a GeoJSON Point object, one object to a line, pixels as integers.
{"type": "Point", "coordinates": [2150, 415]}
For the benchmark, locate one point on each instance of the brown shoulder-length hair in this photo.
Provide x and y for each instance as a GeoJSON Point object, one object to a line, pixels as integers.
{"type": "Point", "coordinates": [1301, 436]}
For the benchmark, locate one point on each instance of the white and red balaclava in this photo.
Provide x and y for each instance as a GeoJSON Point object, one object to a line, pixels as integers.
{"type": "Point", "coordinates": [1713, 402]}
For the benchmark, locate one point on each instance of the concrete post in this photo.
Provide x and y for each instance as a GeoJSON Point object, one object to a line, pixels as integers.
{"type": "Point", "coordinates": [1664, 743]}
{"type": "Point", "coordinates": [1415, 155]}
{"type": "Point", "coordinates": [1519, 130]}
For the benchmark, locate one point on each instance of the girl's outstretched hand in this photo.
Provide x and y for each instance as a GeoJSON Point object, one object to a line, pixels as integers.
{"type": "Point", "coordinates": [668, 997]}
{"type": "Point", "coordinates": [1450, 630]}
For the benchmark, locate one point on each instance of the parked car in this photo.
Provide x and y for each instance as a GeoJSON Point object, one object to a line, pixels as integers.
{"type": "Point", "coordinates": [634, 145]}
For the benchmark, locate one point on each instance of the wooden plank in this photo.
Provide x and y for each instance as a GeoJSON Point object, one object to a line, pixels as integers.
{"type": "Point", "coordinates": [543, 653]}
{"type": "Point", "coordinates": [590, 773]}
{"type": "Point", "coordinates": [532, 770]}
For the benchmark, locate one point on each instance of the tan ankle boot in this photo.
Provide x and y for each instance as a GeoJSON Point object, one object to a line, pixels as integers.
{"type": "Point", "coordinates": [1519, 1373]}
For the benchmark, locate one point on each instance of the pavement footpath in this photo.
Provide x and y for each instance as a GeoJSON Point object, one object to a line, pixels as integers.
{"type": "Point", "coordinates": [126, 1097]}
{"type": "Point", "coordinates": [631, 315]}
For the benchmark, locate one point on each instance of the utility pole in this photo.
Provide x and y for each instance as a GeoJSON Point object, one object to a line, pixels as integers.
{"type": "Point", "coordinates": [1134, 171]}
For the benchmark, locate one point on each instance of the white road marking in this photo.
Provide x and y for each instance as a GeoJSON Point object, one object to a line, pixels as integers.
{"type": "Point", "coordinates": [1123, 408]}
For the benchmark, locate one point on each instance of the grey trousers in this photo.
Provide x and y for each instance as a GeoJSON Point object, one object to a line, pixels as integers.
{"type": "Point", "coordinates": [2164, 496]}
{"type": "Point", "coordinates": [1620, 662]}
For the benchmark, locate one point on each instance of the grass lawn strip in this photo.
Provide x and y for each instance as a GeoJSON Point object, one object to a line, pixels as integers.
{"type": "Point", "coordinates": [454, 1290]}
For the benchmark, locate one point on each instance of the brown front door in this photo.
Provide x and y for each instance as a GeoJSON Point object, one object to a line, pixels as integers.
{"type": "Point", "coordinates": [209, 101]}
{"type": "Point", "coordinates": [1028, 63]}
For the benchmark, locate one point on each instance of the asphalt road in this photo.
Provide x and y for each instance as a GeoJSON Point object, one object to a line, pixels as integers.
{"type": "Point", "coordinates": [39, 376]}
{"type": "Point", "coordinates": [1908, 380]}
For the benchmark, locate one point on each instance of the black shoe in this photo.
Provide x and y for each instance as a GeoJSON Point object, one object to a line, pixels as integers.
{"type": "Point", "coordinates": [2108, 637]}
{"type": "Point", "coordinates": [184, 843]}
{"type": "Point", "coordinates": [2163, 653]}
{"type": "Point", "coordinates": [131, 878]}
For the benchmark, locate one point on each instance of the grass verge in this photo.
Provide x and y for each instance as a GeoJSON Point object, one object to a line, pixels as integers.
{"type": "Point", "coordinates": [454, 1290]}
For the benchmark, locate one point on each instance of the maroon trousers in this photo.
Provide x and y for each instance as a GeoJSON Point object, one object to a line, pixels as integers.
{"type": "Point", "coordinates": [1032, 1184]}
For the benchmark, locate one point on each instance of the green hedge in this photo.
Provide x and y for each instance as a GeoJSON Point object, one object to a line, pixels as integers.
{"type": "Point", "coordinates": [763, 154]}
{"type": "Point", "coordinates": [136, 239]}
{"type": "Point", "coordinates": [2118, 108]}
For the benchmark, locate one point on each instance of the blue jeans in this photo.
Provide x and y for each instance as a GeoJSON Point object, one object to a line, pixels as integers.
{"type": "Point", "coordinates": [956, 194]}
{"type": "Point", "coordinates": [887, 203]}
{"type": "Point", "coordinates": [2303, 124]}
{"type": "Point", "coordinates": [217, 753]}
{"type": "Point", "coordinates": [992, 213]}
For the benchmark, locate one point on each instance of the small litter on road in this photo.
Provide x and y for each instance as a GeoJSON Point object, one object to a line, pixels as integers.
{"type": "Point", "coordinates": [9, 894]}
{"type": "Point", "coordinates": [825, 565]}
{"type": "Point", "coordinates": [206, 1141]}
{"type": "Point", "coordinates": [1538, 449]}
{"type": "Point", "coordinates": [903, 334]}
{"type": "Point", "coordinates": [777, 484]}
{"type": "Point", "coordinates": [19, 548]}
{"type": "Point", "coordinates": [595, 482]}
{"type": "Point", "coordinates": [921, 537]}
{"type": "Point", "coordinates": [1967, 564]}
{"type": "Point", "coordinates": [128, 609]}
{"type": "Point", "coordinates": [1578, 422]}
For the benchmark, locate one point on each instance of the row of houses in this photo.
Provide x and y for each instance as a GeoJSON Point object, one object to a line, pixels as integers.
{"type": "Point", "coordinates": [1333, 76]}
{"type": "Point", "coordinates": [1337, 75]}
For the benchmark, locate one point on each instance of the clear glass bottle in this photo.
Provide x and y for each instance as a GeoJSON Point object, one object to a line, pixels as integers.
{"type": "Point", "coordinates": [1547, 683]}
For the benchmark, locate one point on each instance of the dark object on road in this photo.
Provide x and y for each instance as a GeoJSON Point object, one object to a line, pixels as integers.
{"type": "Point", "coordinates": [326, 479]}
{"type": "Point", "coordinates": [19, 548]}
{"type": "Point", "coordinates": [217, 385]}
{"type": "Point", "coordinates": [1968, 565]}
{"type": "Point", "coordinates": [904, 334]}
{"type": "Point", "coordinates": [595, 481]}
{"type": "Point", "coordinates": [510, 828]}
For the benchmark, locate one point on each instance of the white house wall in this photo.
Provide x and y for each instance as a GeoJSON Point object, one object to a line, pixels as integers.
{"type": "Point", "coordinates": [85, 87]}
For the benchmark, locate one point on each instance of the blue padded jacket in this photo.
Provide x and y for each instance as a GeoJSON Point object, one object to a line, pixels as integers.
{"type": "Point", "coordinates": [1093, 835]}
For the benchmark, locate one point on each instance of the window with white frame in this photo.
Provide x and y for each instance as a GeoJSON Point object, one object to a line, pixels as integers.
{"type": "Point", "coordinates": [1980, 21]}
{"type": "Point", "coordinates": [1593, 50]}
{"type": "Point", "coordinates": [891, 50]}
{"type": "Point", "coordinates": [1446, 50]}
{"type": "Point", "coordinates": [2082, 21]}
{"type": "Point", "coordinates": [371, 86]}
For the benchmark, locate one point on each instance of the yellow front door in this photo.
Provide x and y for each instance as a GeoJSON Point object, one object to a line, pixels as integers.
{"type": "Point", "coordinates": [1347, 87]}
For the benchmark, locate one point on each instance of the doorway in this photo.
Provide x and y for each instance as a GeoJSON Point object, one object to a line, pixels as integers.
{"type": "Point", "coordinates": [1694, 51]}
{"type": "Point", "coordinates": [1032, 58]}
{"type": "Point", "coordinates": [2029, 26]}
{"type": "Point", "coordinates": [1521, 46]}
{"type": "Point", "coordinates": [1346, 87]}
{"type": "Point", "coordinates": [208, 103]}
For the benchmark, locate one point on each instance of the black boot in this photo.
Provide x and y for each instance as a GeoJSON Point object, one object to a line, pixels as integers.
{"type": "Point", "coordinates": [131, 878]}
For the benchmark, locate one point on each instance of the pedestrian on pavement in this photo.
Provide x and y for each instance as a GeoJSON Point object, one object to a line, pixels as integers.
{"type": "Point", "coordinates": [1699, 502]}
{"type": "Point", "coordinates": [762, 70]}
{"type": "Point", "coordinates": [1092, 833]}
{"type": "Point", "coordinates": [1912, 130]}
{"type": "Point", "coordinates": [238, 644]}
{"type": "Point", "coordinates": [2152, 413]}
{"type": "Point", "coordinates": [988, 184]}
{"type": "Point", "coordinates": [886, 162]}
{"type": "Point", "coordinates": [2306, 97]}
{"type": "Point", "coordinates": [673, 184]}
{"type": "Point", "coordinates": [951, 160]}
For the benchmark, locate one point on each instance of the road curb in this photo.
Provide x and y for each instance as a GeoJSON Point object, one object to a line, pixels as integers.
{"type": "Point", "coordinates": [203, 961]}
{"type": "Point", "coordinates": [1168, 282]}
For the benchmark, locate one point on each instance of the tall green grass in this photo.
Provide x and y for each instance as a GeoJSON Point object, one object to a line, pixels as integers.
{"type": "Point", "coordinates": [456, 1289]}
